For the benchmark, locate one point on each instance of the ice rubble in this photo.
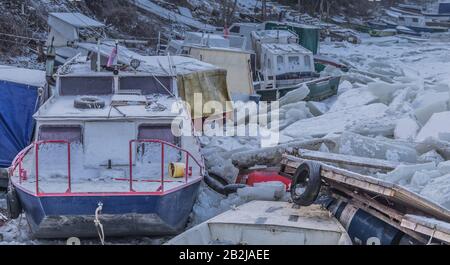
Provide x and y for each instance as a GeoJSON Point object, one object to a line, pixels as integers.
{"type": "Point", "coordinates": [406, 129]}
{"type": "Point", "coordinates": [438, 125]}
{"type": "Point", "coordinates": [388, 106]}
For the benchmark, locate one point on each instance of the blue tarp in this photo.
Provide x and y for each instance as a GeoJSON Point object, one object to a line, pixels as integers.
{"type": "Point", "coordinates": [18, 103]}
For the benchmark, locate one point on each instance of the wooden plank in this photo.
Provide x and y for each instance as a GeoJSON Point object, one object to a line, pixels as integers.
{"type": "Point", "coordinates": [347, 160]}
{"type": "Point", "coordinates": [412, 201]}
{"type": "Point", "coordinates": [426, 230]}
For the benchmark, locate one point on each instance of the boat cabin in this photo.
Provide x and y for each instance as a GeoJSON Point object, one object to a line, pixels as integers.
{"type": "Point", "coordinates": [286, 59]}
{"type": "Point", "coordinates": [101, 130]}
{"type": "Point", "coordinates": [411, 21]}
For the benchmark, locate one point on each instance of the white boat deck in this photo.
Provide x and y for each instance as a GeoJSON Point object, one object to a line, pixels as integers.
{"type": "Point", "coordinates": [63, 107]}
{"type": "Point", "coordinates": [264, 222]}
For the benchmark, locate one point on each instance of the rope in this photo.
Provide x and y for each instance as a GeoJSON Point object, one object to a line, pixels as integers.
{"type": "Point", "coordinates": [432, 236]}
{"type": "Point", "coordinates": [98, 224]}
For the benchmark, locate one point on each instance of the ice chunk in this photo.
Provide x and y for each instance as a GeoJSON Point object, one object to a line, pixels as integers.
{"type": "Point", "coordinates": [421, 178]}
{"type": "Point", "coordinates": [373, 127]}
{"type": "Point", "coordinates": [296, 95]}
{"type": "Point", "coordinates": [428, 103]}
{"type": "Point", "coordinates": [438, 190]}
{"type": "Point", "coordinates": [269, 191]}
{"type": "Point", "coordinates": [406, 129]}
{"type": "Point", "coordinates": [324, 148]}
{"type": "Point", "coordinates": [431, 156]}
{"type": "Point", "coordinates": [383, 91]}
{"type": "Point", "coordinates": [404, 173]}
{"type": "Point", "coordinates": [334, 122]}
{"type": "Point", "coordinates": [444, 167]}
{"type": "Point", "coordinates": [353, 98]}
{"type": "Point", "coordinates": [358, 145]}
{"type": "Point", "coordinates": [438, 123]}
{"type": "Point", "coordinates": [317, 108]}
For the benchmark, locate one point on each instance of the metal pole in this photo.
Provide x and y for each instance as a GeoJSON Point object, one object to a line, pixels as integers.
{"type": "Point", "coordinates": [264, 10]}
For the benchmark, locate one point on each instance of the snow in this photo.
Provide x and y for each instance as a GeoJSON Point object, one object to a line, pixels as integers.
{"type": "Point", "coordinates": [172, 16]}
{"type": "Point", "coordinates": [77, 19]}
{"type": "Point", "coordinates": [22, 76]}
{"type": "Point", "coordinates": [438, 123]}
{"type": "Point", "coordinates": [334, 122]}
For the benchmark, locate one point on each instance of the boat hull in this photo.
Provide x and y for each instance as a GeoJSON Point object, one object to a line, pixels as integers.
{"type": "Point", "coordinates": [121, 215]}
{"type": "Point", "coordinates": [319, 90]}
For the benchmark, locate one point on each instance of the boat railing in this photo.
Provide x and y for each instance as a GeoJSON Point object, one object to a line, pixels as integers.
{"type": "Point", "coordinates": [164, 144]}
{"type": "Point", "coordinates": [23, 174]}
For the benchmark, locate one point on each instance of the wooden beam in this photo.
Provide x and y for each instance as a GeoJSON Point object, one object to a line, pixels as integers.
{"type": "Point", "coordinates": [347, 160]}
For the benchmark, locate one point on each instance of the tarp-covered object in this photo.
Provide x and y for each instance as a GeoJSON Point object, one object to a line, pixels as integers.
{"type": "Point", "coordinates": [18, 103]}
{"type": "Point", "coordinates": [211, 84]}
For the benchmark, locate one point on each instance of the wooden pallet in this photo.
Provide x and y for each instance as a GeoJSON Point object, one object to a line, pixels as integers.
{"type": "Point", "coordinates": [397, 205]}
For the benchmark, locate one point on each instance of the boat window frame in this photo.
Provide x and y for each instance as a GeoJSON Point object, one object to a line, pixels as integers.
{"type": "Point", "coordinates": [61, 92]}
{"type": "Point", "coordinates": [81, 127]}
{"type": "Point", "coordinates": [177, 139]}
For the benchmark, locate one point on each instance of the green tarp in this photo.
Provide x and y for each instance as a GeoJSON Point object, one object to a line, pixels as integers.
{"type": "Point", "coordinates": [309, 36]}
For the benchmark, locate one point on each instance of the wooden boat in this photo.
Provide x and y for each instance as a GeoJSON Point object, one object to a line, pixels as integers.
{"type": "Point", "coordinates": [267, 223]}
{"type": "Point", "coordinates": [105, 158]}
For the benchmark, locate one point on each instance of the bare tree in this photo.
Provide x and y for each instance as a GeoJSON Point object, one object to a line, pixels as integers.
{"type": "Point", "coordinates": [228, 7]}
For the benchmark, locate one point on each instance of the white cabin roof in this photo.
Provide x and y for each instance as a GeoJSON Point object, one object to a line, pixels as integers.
{"type": "Point", "coordinates": [77, 20]}
{"type": "Point", "coordinates": [283, 49]}
{"type": "Point", "coordinates": [22, 75]}
{"type": "Point", "coordinates": [62, 107]}
{"type": "Point", "coordinates": [156, 65]}
{"type": "Point", "coordinates": [263, 34]}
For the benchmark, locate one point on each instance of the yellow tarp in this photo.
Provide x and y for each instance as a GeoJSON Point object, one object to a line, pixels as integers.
{"type": "Point", "coordinates": [211, 84]}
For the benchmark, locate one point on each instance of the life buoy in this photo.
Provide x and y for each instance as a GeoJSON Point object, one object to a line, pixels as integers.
{"type": "Point", "coordinates": [89, 102]}
{"type": "Point", "coordinates": [12, 202]}
{"type": "Point", "coordinates": [306, 184]}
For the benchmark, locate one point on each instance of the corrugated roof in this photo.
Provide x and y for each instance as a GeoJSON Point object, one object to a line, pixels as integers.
{"type": "Point", "coordinates": [77, 20]}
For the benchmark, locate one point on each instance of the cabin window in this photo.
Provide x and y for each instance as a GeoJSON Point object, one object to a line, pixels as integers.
{"type": "Point", "coordinates": [235, 29]}
{"type": "Point", "coordinates": [280, 62]}
{"type": "Point", "coordinates": [146, 84]}
{"type": "Point", "coordinates": [307, 61]}
{"type": "Point", "coordinates": [72, 134]}
{"type": "Point", "coordinates": [415, 20]}
{"type": "Point", "coordinates": [71, 86]}
{"type": "Point", "coordinates": [160, 132]}
{"type": "Point", "coordinates": [401, 18]}
{"type": "Point", "coordinates": [294, 60]}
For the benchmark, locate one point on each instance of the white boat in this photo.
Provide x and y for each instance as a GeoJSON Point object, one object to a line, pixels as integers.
{"type": "Point", "coordinates": [105, 150]}
{"type": "Point", "coordinates": [267, 223]}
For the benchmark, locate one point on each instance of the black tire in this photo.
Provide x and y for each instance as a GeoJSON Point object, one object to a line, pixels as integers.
{"type": "Point", "coordinates": [12, 202]}
{"type": "Point", "coordinates": [308, 178]}
{"type": "Point", "coordinates": [89, 102]}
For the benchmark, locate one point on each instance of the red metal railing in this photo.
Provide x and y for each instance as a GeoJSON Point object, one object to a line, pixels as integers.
{"type": "Point", "coordinates": [18, 162]}
{"type": "Point", "coordinates": [163, 144]}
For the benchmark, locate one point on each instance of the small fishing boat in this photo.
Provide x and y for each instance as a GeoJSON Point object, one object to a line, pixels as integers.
{"type": "Point", "coordinates": [271, 223]}
{"type": "Point", "coordinates": [108, 157]}
{"type": "Point", "coordinates": [407, 31]}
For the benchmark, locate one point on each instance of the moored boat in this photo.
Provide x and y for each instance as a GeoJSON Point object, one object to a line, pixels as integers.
{"type": "Point", "coordinates": [109, 157]}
